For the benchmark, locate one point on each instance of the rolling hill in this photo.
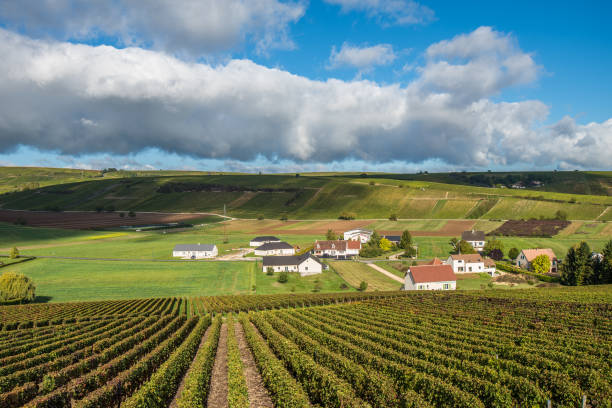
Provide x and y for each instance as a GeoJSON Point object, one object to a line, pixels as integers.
{"type": "Point", "coordinates": [308, 196]}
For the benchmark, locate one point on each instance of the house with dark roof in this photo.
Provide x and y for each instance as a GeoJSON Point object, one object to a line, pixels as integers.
{"type": "Point", "coordinates": [528, 255]}
{"type": "Point", "coordinates": [305, 264]}
{"type": "Point", "coordinates": [430, 277]}
{"type": "Point", "coordinates": [395, 239]}
{"type": "Point", "coordinates": [259, 241]}
{"type": "Point", "coordinates": [475, 238]}
{"type": "Point", "coordinates": [275, 248]}
{"type": "Point", "coordinates": [338, 249]}
{"type": "Point", "coordinates": [192, 251]}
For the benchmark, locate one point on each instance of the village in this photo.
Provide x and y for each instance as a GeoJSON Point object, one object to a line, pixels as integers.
{"type": "Point", "coordinates": [434, 274]}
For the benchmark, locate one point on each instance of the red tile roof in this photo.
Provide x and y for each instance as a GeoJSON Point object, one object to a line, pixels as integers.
{"type": "Point", "coordinates": [338, 245]}
{"type": "Point", "coordinates": [432, 273]}
{"type": "Point", "coordinates": [531, 254]}
{"type": "Point", "coordinates": [434, 261]}
{"type": "Point", "coordinates": [468, 257]}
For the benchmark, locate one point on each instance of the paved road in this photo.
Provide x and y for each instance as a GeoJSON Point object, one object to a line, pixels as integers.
{"type": "Point", "coordinates": [385, 272]}
{"type": "Point", "coordinates": [81, 258]}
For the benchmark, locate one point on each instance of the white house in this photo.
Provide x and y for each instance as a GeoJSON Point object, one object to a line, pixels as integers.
{"type": "Point", "coordinates": [336, 249]}
{"type": "Point", "coordinates": [470, 263]}
{"type": "Point", "coordinates": [360, 235]}
{"type": "Point", "coordinates": [528, 255]}
{"type": "Point", "coordinates": [475, 238]}
{"type": "Point", "coordinates": [274, 248]}
{"type": "Point", "coordinates": [305, 264]}
{"type": "Point", "coordinates": [430, 277]}
{"type": "Point", "coordinates": [198, 251]}
{"type": "Point", "coordinates": [259, 241]}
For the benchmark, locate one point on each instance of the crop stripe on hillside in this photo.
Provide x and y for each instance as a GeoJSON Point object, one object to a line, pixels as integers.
{"type": "Point", "coordinates": [237, 392]}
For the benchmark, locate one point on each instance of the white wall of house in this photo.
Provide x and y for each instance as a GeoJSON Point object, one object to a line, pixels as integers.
{"type": "Point", "coordinates": [477, 245]}
{"type": "Point", "coordinates": [461, 266]}
{"type": "Point", "coordinates": [195, 254]}
{"type": "Point", "coordinates": [281, 268]}
{"type": "Point", "coordinates": [357, 236]}
{"type": "Point", "coordinates": [284, 251]}
{"type": "Point", "coordinates": [310, 267]}
{"type": "Point", "coordinates": [446, 285]}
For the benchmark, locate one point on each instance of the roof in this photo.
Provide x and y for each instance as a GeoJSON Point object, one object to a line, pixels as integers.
{"type": "Point", "coordinates": [358, 230]}
{"type": "Point", "coordinates": [265, 238]}
{"type": "Point", "coordinates": [434, 261]}
{"type": "Point", "coordinates": [194, 247]}
{"type": "Point", "coordinates": [269, 246]}
{"type": "Point", "coordinates": [337, 245]}
{"type": "Point", "coordinates": [288, 260]}
{"type": "Point", "coordinates": [432, 273]}
{"type": "Point", "coordinates": [531, 254]}
{"type": "Point", "coordinates": [393, 238]}
{"type": "Point", "coordinates": [473, 235]}
{"type": "Point", "coordinates": [489, 262]}
{"type": "Point", "coordinates": [469, 258]}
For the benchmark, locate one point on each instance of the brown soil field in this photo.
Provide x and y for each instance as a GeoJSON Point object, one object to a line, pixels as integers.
{"type": "Point", "coordinates": [531, 228]}
{"type": "Point", "coordinates": [87, 220]}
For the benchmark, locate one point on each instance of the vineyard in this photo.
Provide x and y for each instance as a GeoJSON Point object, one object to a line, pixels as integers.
{"type": "Point", "coordinates": [379, 349]}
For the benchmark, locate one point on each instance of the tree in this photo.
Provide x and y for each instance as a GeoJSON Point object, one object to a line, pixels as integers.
{"type": "Point", "coordinates": [541, 264]}
{"type": "Point", "coordinates": [410, 252]}
{"type": "Point", "coordinates": [454, 242]}
{"type": "Point", "coordinates": [492, 244]}
{"type": "Point", "coordinates": [122, 214]}
{"type": "Point", "coordinates": [331, 235]}
{"type": "Point", "coordinates": [344, 215]}
{"type": "Point", "coordinates": [131, 214]}
{"type": "Point", "coordinates": [406, 240]}
{"type": "Point", "coordinates": [584, 272]}
{"type": "Point", "coordinates": [14, 253]}
{"type": "Point", "coordinates": [393, 217]}
{"type": "Point", "coordinates": [569, 267]}
{"type": "Point", "coordinates": [260, 217]}
{"type": "Point", "coordinates": [513, 253]}
{"type": "Point", "coordinates": [363, 286]}
{"type": "Point", "coordinates": [385, 244]}
{"type": "Point", "coordinates": [374, 240]}
{"type": "Point", "coordinates": [465, 247]}
{"type": "Point", "coordinates": [16, 287]}
{"type": "Point", "coordinates": [496, 254]}
{"type": "Point", "coordinates": [283, 277]}
{"type": "Point", "coordinates": [605, 272]}
{"type": "Point", "coordinates": [561, 215]}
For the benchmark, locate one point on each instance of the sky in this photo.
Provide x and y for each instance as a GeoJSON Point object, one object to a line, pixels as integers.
{"type": "Point", "coordinates": [319, 85]}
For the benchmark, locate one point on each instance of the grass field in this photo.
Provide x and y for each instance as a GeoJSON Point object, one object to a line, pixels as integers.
{"type": "Point", "coordinates": [356, 272]}
{"type": "Point", "coordinates": [59, 280]}
{"type": "Point", "coordinates": [311, 197]}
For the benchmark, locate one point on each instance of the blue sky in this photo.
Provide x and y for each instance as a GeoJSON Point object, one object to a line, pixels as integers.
{"type": "Point", "coordinates": [272, 85]}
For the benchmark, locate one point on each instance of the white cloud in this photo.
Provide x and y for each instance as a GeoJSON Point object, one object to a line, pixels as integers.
{"type": "Point", "coordinates": [183, 27]}
{"type": "Point", "coordinates": [52, 93]}
{"type": "Point", "coordinates": [389, 12]}
{"type": "Point", "coordinates": [363, 58]}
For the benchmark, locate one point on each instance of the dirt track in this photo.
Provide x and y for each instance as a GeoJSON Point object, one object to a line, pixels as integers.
{"type": "Point", "coordinates": [87, 220]}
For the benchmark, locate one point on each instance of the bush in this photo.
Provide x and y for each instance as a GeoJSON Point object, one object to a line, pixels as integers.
{"type": "Point", "coordinates": [496, 254]}
{"type": "Point", "coordinates": [14, 254]}
{"type": "Point", "coordinates": [363, 286]}
{"type": "Point", "coordinates": [284, 217]}
{"type": "Point", "coordinates": [541, 264]}
{"type": "Point", "coordinates": [131, 214]}
{"type": "Point", "coordinates": [269, 271]}
{"type": "Point", "coordinates": [283, 277]}
{"type": "Point", "coordinates": [513, 253]}
{"type": "Point", "coordinates": [347, 215]}
{"type": "Point", "coordinates": [260, 217]}
{"type": "Point", "coordinates": [21, 221]}
{"type": "Point", "coordinates": [393, 217]}
{"type": "Point", "coordinates": [16, 286]}
{"type": "Point", "coordinates": [122, 214]}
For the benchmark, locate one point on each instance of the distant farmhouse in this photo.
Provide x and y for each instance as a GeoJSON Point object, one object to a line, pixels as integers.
{"type": "Point", "coordinates": [275, 248]}
{"type": "Point", "coordinates": [475, 238]}
{"type": "Point", "coordinates": [528, 255]}
{"type": "Point", "coordinates": [395, 239]}
{"type": "Point", "coordinates": [471, 263]}
{"type": "Point", "coordinates": [360, 235]}
{"type": "Point", "coordinates": [430, 277]}
{"type": "Point", "coordinates": [259, 241]}
{"type": "Point", "coordinates": [199, 251]}
{"type": "Point", "coordinates": [337, 249]}
{"type": "Point", "coordinates": [305, 264]}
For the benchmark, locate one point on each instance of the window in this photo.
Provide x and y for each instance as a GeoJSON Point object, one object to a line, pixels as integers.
{"type": "Point", "coordinates": [470, 269]}
{"type": "Point", "coordinates": [305, 268]}
{"type": "Point", "coordinates": [460, 269]}
{"type": "Point", "coordinates": [420, 287]}
{"type": "Point", "coordinates": [286, 269]}
{"type": "Point", "coordinates": [446, 286]}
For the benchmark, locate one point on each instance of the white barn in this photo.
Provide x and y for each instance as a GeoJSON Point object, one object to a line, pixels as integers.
{"type": "Point", "coordinates": [430, 277]}
{"type": "Point", "coordinates": [199, 251]}
{"type": "Point", "coordinates": [305, 264]}
{"type": "Point", "coordinates": [275, 248]}
{"type": "Point", "coordinates": [360, 235]}
{"type": "Point", "coordinates": [259, 241]}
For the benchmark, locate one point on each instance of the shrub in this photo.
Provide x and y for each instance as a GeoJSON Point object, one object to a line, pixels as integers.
{"type": "Point", "coordinates": [260, 217]}
{"type": "Point", "coordinates": [541, 264]}
{"type": "Point", "coordinates": [513, 253]}
{"type": "Point", "coordinates": [363, 286]}
{"type": "Point", "coordinates": [131, 214]}
{"type": "Point", "coordinates": [269, 271]}
{"type": "Point", "coordinates": [393, 217]}
{"type": "Point", "coordinates": [496, 254]}
{"type": "Point", "coordinates": [16, 286]}
{"type": "Point", "coordinates": [283, 277]}
{"type": "Point", "coordinates": [347, 215]}
{"type": "Point", "coordinates": [14, 253]}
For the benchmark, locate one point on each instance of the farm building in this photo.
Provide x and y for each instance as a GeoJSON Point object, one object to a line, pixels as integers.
{"type": "Point", "coordinates": [430, 277]}
{"type": "Point", "coordinates": [435, 261]}
{"type": "Point", "coordinates": [259, 241]}
{"type": "Point", "coordinates": [470, 263]}
{"type": "Point", "coordinates": [395, 239]}
{"type": "Point", "coordinates": [192, 251]}
{"type": "Point", "coordinates": [305, 264]}
{"type": "Point", "coordinates": [360, 235]}
{"type": "Point", "coordinates": [336, 249]}
{"type": "Point", "coordinates": [475, 238]}
{"type": "Point", "coordinates": [527, 255]}
{"type": "Point", "coordinates": [275, 248]}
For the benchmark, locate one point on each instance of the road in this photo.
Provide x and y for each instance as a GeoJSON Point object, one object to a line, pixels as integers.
{"type": "Point", "coordinates": [385, 272]}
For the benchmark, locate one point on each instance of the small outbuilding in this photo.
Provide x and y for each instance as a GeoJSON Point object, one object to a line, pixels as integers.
{"type": "Point", "coordinates": [192, 251]}
{"type": "Point", "coordinates": [259, 241]}
{"type": "Point", "coordinates": [305, 264]}
{"type": "Point", "coordinates": [430, 277]}
{"type": "Point", "coordinates": [275, 248]}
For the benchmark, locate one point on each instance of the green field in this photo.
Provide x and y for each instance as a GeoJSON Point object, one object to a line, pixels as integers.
{"type": "Point", "coordinates": [356, 272]}
{"type": "Point", "coordinates": [314, 196]}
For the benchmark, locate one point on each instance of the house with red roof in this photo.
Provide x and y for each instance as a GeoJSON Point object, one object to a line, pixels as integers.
{"type": "Point", "coordinates": [338, 249]}
{"type": "Point", "coordinates": [471, 263]}
{"type": "Point", "coordinates": [430, 277]}
{"type": "Point", "coordinates": [528, 255]}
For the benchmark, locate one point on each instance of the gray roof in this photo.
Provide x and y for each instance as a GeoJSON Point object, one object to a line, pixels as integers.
{"type": "Point", "coordinates": [473, 235]}
{"type": "Point", "coordinates": [393, 238]}
{"type": "Point", "coordinates": [287, 260]}
{"type": "Point", "coordinates": [269, 246]}
{"type": "Point", "coordinates": [265, 238]}
{"type": "Point", "coordinates": [194, 247]}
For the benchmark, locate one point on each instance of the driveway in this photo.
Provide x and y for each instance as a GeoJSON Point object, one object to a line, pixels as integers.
{"type": "Point", "coordinates": [385, 272]}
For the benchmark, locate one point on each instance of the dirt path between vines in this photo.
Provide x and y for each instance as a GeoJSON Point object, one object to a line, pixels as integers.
{"type": "Point", "coordinates": [174, 403]}
{"type": "Point", "coordinates": [258, 394]}
{"type": "Point", "coordinates": [218, 381]}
